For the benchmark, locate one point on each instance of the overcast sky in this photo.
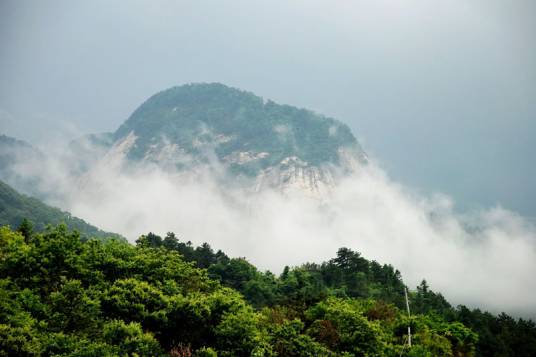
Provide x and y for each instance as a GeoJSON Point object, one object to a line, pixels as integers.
{"type": "Point", "coordinates": [442, 93]}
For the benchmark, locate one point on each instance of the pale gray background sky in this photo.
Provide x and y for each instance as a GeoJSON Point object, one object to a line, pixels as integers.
{"type": "Point", "coordinates": [442, 92]}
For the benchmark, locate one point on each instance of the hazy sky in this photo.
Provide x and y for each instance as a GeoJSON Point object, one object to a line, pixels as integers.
{"type": "Point", "coordinates": [443, 93]}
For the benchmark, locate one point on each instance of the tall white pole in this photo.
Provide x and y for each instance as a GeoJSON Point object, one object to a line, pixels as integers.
{"type": "Point", "coordinates": [407, 306]}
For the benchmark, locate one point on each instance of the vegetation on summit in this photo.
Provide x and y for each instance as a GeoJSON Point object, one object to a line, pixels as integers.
{"type": "Point", "coordinates": [228, 120]}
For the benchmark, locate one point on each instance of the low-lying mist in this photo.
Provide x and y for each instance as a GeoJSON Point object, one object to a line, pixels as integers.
{"type": "Point", "coordinates": [484, 259]}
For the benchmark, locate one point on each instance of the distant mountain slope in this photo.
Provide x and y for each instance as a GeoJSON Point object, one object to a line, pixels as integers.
{"type": "Point", "coordinates": [217, 126]}
{"type": "Point", "coordinates": [85, 151]}
{"type": "Point", "coordinates": [198, 116]}
{"type": "Point", "coordinates": [19, 163]}
{"type": "Point", "coordinates": [14, 207]}
{"type": "Point", "coordinates": [13, 150]}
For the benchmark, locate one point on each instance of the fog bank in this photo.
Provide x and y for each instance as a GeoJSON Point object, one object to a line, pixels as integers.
{"type": "Point", "coordinates": [484, 259]}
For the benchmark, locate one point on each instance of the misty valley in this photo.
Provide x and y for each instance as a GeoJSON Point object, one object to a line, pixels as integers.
{"type": "Point", "coordinates": [214, 222]}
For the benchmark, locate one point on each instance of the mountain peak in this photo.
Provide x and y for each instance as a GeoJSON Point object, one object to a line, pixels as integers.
{"type": "Point", "coordinates": [193, 121]}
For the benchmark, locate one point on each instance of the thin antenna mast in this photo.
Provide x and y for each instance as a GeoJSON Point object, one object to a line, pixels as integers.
{"type": "Point", "coordinates": [407, 306]}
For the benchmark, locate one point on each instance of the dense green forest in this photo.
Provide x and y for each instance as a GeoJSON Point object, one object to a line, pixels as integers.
{"type": "Point", "coordinates": [60, 295]}
{"type": "Point", "coordinates": [14, 206]}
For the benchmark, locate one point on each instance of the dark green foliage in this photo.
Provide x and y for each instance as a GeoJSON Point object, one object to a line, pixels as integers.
{"type": "Point", "coordinates": [289, 339]}
{"type": "Point", "coordinates": [425, 301]}
{"type": "Point", "coordinates": [26, 229]}
{"type": "Point", "coordinates": [150, 240]}
{"type": "Point", "coordinates": [72, 309]}
{"type": "Point", "coordinates": [354, 332]}
{"type": "Point", "coordinates": [130, 339]}
{"type": "Point", "coordinates": [499, 335]}
{"type": "Point", "coordinates": [16, 209]}
{"type": "Point", "coordinates": [63, 296]}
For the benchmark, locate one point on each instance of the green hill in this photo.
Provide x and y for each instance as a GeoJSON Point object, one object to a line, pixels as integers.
{"type": "Point", "coordinates": [15, 207]}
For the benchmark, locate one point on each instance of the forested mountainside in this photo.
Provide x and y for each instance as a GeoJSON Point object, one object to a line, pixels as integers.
{"type": "Point", "coordinates": [62, 296]}
{"type": "Point", "coordinates": [15, 207]}
{"type": "Point", "coordinates": [239, 127]}
{"type": "Point", "coordinates": [234, 134]}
